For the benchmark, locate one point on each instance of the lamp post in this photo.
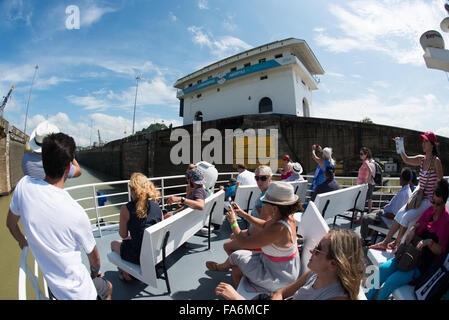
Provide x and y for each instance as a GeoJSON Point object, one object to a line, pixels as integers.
{"type": "Point", "coordinates": [29, 96]}
{"type": "Point", "coordinates": [135, 100]}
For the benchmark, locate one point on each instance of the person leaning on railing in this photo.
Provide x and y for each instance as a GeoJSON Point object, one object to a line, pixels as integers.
{"type": "Point", "coordinates": [56, 227]}
{"type": "Point", "coordinates": [197, 197]}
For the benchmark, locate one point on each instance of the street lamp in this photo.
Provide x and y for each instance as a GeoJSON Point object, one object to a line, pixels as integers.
{"type": "Point", "coordinates": [29, 96]}
{"type": "Point", "coordinates": [135, 100]}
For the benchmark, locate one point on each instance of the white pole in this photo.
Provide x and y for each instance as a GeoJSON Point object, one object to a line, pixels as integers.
{"type": "Point", "coordinates": [29, 96]}
{"type": "Point", "coordinates": [135, 100]}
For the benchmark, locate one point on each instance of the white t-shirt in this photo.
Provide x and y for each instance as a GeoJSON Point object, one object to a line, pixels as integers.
{"type": "Point", "coordinates": [56, 227]}
{"type": "Point", "coordinates": [246, 178]}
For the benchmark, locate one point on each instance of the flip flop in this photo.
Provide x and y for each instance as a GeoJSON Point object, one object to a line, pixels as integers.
{"type": "Point", "coordinates": [392, 246]}
{"type": "Point", "coordinates": [214, 266]}
{"type": "Point", "coordinates": [377, 246]}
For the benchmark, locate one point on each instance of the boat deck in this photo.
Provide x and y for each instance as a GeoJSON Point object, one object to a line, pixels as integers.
{"type": "Point", "coordinates": [188, 276]}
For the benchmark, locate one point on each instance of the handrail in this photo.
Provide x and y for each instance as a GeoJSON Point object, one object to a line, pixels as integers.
{"type": "Point", "coordinates": [26, 273]}
{"type": "Point", "coordinates": [167, 189]}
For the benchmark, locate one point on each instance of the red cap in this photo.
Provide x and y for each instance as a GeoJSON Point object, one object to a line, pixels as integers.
{"type": "Point", "coordinates": [286, 157]}
{"type": "Point", "coordinates": [429, 136]}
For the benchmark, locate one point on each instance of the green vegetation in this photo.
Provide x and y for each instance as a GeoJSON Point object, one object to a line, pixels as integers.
{"type": "Point", "coordinates": [152, 127]}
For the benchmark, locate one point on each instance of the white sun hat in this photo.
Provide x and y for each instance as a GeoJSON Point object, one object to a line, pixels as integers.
{"type": "Point", "coordinates": [297, 167]}
{"type": "Point", "coordinates": [37, 136]}
{"type": "Point", "coordinates": [280, 193]}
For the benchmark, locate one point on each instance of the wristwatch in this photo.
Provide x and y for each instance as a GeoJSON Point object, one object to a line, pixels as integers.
{"type": "Point", "coordinates": [183, 199]}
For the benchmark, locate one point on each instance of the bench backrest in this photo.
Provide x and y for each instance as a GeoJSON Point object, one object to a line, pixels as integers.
{"type": "Point", "coordinates": [244, 193]}
{"type": "Point", "coordinates": [312, 228]}
{"type": "Point", "coordinates": [300, 189]}
{"type": "Point", "coordinates": [340, 201]}
{"type": "Point", "coordinates": [181, 227]}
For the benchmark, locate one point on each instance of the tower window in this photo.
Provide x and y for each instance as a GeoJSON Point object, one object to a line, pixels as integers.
{"type": "Point", "coordinates": [199, 116]}
{"type": "Point", "coordinates": [265, 105]}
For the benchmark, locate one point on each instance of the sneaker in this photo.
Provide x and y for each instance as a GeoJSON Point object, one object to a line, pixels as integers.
{"type": "Point", "coordinates": [204, 231]}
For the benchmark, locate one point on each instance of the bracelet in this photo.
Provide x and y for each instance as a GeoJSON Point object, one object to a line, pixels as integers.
{"type": "Point", "coordinates": [234, 225]}
{"type": "Point", "coordinates": [94, 270]}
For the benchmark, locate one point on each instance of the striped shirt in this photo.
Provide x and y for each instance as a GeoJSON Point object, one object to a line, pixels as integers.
{"type": "Point", "coordinates": [427, 179]}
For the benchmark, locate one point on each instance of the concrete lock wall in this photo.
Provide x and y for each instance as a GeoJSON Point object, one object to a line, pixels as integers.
{"type": "Point", "coordinates": [12, 148]}
{"type": "Point", "coordinates": [150, 154]}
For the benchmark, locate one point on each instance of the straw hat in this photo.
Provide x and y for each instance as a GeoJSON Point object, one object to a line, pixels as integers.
{"type": "Point", "coordinates": [37, 136]}
{"type": "Point", "coordinates": [280, 193]}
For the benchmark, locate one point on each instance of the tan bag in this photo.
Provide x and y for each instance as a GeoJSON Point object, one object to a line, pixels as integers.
{"type": "Point", "coordinates": [416, 198]}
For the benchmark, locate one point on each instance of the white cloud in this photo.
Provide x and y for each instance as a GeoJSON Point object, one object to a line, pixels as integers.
{"type": "Point", "coordinates": [414, 112]}
{"type": "Point", "coordinates": [86, 132]}
{"type": "Point", "coordinates": [172, 16]}
{"type": "Point", "coordinates": [153, 92]}
{"type": "Point", "coordinates": [202, 4]}
{"type": "Point", "coordinates": [220, 48]}
{"type": "Point", "coordinates": [389, 26]}
{"type": "Point", "coordinates": [93, 14]}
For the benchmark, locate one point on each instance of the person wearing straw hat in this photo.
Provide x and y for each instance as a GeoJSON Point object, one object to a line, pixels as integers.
{"type": "Point", "coordinates": [32, 161]}
{"type": "Point", "coordinates": [277, 264]}
{"type": "Point", "coordinates": [297, 170]}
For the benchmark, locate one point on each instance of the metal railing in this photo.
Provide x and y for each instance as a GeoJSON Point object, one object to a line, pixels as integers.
{"type": "Point", "coordinates": [88, 197]}
{"type": "Point", "coordinates": [170, 186]}
{"type": "Point", "coordinates": [25, 274]}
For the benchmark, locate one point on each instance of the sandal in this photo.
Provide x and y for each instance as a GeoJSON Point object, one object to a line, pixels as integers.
{"type": "Point", "coordinates": [125, 277]}
{"type": "Point", "coordinates": [214, 266]}
{"type": "Point", "coordinates": [392, 246]}
{"type": "Point", "coordinates": [377, 246]}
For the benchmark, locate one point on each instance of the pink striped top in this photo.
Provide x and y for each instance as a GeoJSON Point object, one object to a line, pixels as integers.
{"type": "Point", "coordinates": [427, 179]}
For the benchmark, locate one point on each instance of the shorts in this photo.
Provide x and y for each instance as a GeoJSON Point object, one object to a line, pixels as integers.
{"type": "Point", "coordinates": [369, 192]}
{"type": "Point", "coordinates": [102, 286]}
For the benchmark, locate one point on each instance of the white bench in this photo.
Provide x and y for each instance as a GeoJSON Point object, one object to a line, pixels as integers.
{"type": "Point", "coordinates": [246, 197]}
{"type": "Point", "coordinates": [300, 189]}
{"type": "Point", "coordinates": [163, 238]}
{"type": "Point", "coordinates": [336, 203]}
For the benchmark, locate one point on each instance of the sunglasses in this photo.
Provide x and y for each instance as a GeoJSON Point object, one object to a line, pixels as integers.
{"type": "Point", "coordinates": [317, 250]}
{"type": "Point", "coordinates": [261, 178]}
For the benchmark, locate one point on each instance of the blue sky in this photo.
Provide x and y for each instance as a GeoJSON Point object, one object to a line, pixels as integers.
{"type": "Point", "coordinates": [369, 50]}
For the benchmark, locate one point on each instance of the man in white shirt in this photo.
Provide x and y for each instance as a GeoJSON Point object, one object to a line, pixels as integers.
{"type": "Point", "coordinates": [245, 177]}
{"type": "Point", "coordinates": [56, 227]}
{"type": "Point", "coordinates": [384, 217]}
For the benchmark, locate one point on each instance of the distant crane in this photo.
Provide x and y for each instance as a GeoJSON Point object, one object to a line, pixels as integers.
{"type": "Point", "coordinates": [99, 138]}
{"type": "Point", "coordinates": [5, 100]}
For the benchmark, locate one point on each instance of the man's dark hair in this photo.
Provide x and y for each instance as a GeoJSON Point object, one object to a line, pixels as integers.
{"type": "Point", "coordinates": [241, 166]}
{"type": "Point", "coordinates": [58, 150]}
{"type": "Point", "coordinates": [406, 174]}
